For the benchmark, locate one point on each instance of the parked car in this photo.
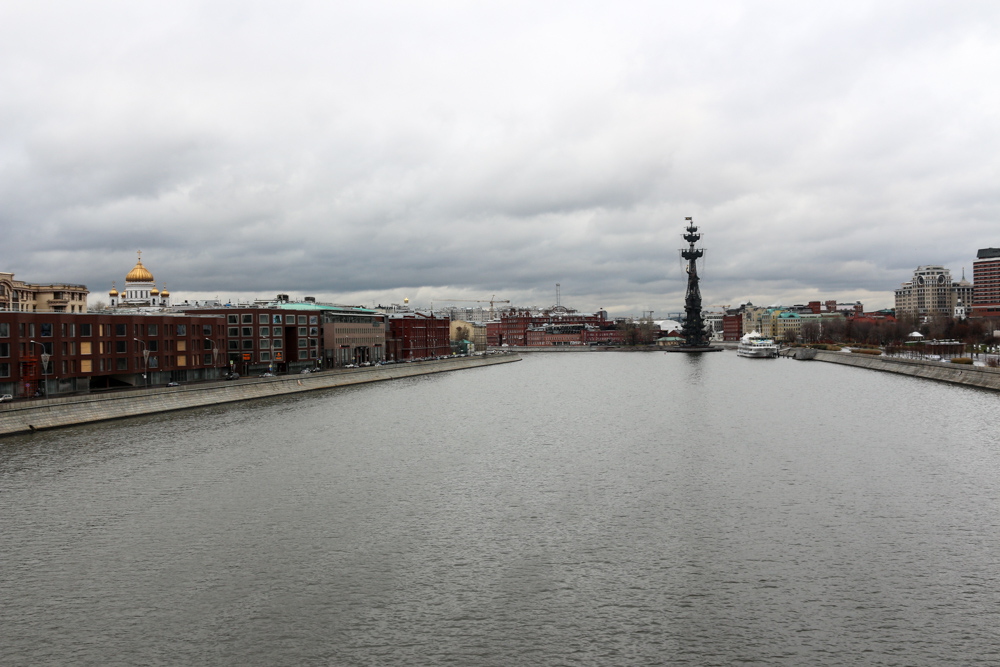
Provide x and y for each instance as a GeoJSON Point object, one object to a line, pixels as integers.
{"type": "Point", "coordinates": [6, 398]}
{"type": "Point", "coordinates": [232, 376]}
{"type": "Point", "coordinates": [266, 375]}
{"type": "Point", "coordinates": [173, 384]}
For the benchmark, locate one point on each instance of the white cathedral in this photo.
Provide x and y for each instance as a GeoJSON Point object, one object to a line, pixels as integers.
{"type": "Point", "coordinates": [140, 290]}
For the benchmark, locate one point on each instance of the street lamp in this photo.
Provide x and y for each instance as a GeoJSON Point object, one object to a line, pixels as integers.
{"type": "Point", "coordinates": [44, 356]}
{"type": "Point", "coordinates": [215, 354]}
{"type": "Point", "coordinates": [145, 356]}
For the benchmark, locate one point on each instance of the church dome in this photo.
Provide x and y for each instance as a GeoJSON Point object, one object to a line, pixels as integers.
{"type": "Point", "coordinates": [164, 292]}
{"type": "Point", "coordinates": [113, 292]}
{"type": "Point", "coordinates": [154, 291]}
{"type": "Point", "coordinates": [139, 274]}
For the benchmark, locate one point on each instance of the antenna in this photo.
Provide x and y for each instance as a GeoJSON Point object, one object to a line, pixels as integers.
{"type": "Point", "coordinates": [558, 298]}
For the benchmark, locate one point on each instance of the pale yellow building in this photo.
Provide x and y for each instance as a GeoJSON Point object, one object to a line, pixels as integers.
{"type": "Point", "coordinates": [475, 333]}
{"type": "Point", "coordinates": [38, 298]}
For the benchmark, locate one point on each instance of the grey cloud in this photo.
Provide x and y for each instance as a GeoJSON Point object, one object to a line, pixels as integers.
{"type": "Point", "coordinates": [367, 151]}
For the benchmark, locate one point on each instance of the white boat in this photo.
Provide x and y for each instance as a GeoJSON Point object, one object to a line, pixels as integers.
{"type": "Point", "coordinates": [753, 346]}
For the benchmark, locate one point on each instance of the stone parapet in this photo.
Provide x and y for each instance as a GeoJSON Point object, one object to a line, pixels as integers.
{"type": "Point", "coordinates": [39, 414]}
{"type": "Point", "coordinates": [973, 376]}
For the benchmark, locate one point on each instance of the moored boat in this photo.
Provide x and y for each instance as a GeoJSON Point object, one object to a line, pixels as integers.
{"type": "Point", "coordinates": [752, 345]}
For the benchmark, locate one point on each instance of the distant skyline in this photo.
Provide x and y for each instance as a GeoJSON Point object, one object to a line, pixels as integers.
{"type": "Point", "coordinates": [366, 152]}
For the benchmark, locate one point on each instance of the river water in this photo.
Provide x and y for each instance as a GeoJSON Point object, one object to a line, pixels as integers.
{"type": "Point", "coordinates": [569, 509]}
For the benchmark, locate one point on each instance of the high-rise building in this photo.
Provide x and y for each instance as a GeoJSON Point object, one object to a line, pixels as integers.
{"type": "Point", "coordinates": [986, 283]}
{"type": "Point", "coordinates": [930, 292]}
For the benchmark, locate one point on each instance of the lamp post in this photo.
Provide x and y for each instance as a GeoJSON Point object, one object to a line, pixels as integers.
{"type": "Point", "coordinates": [44, 356]}
{"type": "Point", "coordinates": [145, 356]}
{"type": "Point", "coordinates": [215, 354]}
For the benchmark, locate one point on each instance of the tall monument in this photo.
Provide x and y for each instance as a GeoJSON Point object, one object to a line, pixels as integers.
{"type": "Point", "coordinates": [695, 337]}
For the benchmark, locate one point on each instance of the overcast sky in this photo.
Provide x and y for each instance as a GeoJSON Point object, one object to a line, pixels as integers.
{"type": "Point", "coordinates": [364, 152]}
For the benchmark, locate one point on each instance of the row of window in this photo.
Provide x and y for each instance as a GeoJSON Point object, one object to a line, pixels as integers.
{"type": "Point", "coordinates": [264, 332]}
{"type": "Point", "coordinates": [266, 318]}
{"type": "Point", "coordinates": [265, 343]}
{"type": "Point", "coordinates": [68, 330]}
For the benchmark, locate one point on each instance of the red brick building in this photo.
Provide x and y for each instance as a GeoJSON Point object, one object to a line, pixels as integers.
{"type": "Point", "coordinates": [56, 353]}
{"type": "Point", "coordinates": [261, 338]}
{"type": "Point", "coordinates": [732, 326]}
{"type": "Point", "coordinates": [417, 336]}
{"type": "Point", "coordinates": [572, 334]}
{"type": "Point", "coordinates": [512, 327]}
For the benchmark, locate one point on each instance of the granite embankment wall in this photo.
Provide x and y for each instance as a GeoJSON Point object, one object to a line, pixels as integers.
{"type": "Point", "coordinates": [38, 414]}
{"type": "Point", "coordinates": [973, 376]}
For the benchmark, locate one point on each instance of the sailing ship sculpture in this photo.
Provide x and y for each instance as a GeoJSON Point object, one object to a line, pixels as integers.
{"type": "Point", "coordinates": [695, 336]}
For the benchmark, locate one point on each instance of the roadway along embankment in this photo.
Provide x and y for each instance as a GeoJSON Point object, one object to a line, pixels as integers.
{"type": "Point", "coordinates": [40, 414]}
{"type": "Point", "coordinates": [973, 376]}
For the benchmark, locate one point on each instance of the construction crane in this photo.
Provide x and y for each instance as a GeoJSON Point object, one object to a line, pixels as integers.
{"type": "Point", "coordinates": [490, 301]}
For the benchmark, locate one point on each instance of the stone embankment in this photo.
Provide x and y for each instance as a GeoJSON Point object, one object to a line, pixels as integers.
{"type": "Point", "coordinates": [38, 414]}
{"type": "Point", "coordinates": [973, 376]}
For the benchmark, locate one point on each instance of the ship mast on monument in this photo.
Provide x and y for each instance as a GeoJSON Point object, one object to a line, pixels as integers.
{"type": "Point", "coordinates": [695, 337]}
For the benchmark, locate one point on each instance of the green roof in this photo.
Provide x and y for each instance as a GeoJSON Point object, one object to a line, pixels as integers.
{"type": "Point", "coordinates": [318, 306]}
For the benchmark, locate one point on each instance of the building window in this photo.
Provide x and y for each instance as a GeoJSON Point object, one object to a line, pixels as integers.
{"type": "Point", "coordinates": [232, 319]}
{"type": "Point", "coordinates": [85, 347]}
{"type": "Point", "coordinates": [86, 365]}
{"type": "Point", "coordinates": [182, 345]}
{"type": "Point", "coordinates": [313, 331]}
{"type": "Point", "coordinates": [313, 319]}
{"type": "Point", "coordinates": [45, 329]}
{"type": "Point", "coordinates": [248, 344]}
{"type": "Point", "coordinates": [276, 319]}
{"type": "Point", "coordinates": [182, 360]}
{"type": "Point", "coordinates": [265, 356]}
{"type": "Point", "coordinates": [302, 319]}
{"type": "Point", "coordinates": [154, 346]}
{"type": "Point", "coordinates": [263, 318]}
{"type": "Point", "coordinates": [121, 346]}
{"type": "Point", "coordinates": [303, 331]}
{"type": "Point", "coordinates": [247, 318]}
{"type": "Point", "coordinates": [4, 330]}
{"type": "Point", "coordinates": [4, 370]}
{"type": "Point", "coordinates": [277, 332]}
{"type": "Point", "coordinates": [234, 332]}
{"type": "Point", "coordinates": [265, 343]}
{"type": "Point", "coordinates": [154, 362]}
{"type": "Point", "coordinates": [122, 364]}
{"type": "Point", "coordinates": [265, 332]}
{"type": "Point", "coordinates": [182, 330]}
{"type": "Point", "coordinates": [206, 329]}
{"type": "Point", "coordinates": [247, 332]}
{"type": "Point", "coordinates": [289, 319]}
{"type": "Point", "coordinates": [303, 354]}
{"type": "Point", "coordinates": [86, 330]}
{"type": "Point", "coordinates": [234, 344]}
{"type": "Point", "coordinates": [208, 360]}
{"type": "Point", "coordinates": [121, 329]}
{"type": "Point", "coordinates": [4, 349]}
{"type": "Point", "coordinates": [302, 342]}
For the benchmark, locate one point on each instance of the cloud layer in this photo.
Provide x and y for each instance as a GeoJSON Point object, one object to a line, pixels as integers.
{"type": "Point", "coordinates": [364, 152]}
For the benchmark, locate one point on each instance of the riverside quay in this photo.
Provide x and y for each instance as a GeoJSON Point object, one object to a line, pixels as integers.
{"type": "Point", "coordinates": [49, 353]}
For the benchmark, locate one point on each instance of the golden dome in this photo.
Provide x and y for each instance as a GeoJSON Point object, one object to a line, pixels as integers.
{"type": "Point", "coordinates": [113, 291]}
{"type": "Point", "coordinates": [139, 274]}
{"type": "Point", "coordinates": [164, 292]}
{"type": "Point", "coordinates": [154, 291]}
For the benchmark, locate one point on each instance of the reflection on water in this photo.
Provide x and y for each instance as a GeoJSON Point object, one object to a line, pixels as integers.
{"type": "Point", "coordinates": [595, 509]}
